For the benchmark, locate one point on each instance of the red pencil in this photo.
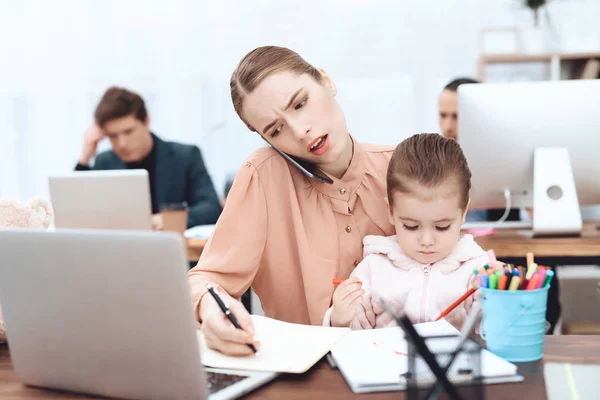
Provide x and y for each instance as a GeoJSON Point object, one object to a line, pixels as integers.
{"type": "Point", "coordinates": [456, 303]}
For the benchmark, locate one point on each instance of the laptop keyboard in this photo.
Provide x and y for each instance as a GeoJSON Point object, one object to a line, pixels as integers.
{"type": "Point", "coordinates": [217, 381]}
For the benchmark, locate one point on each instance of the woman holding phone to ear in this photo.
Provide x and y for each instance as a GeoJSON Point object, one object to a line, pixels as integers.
{"type": "Point", "coordinates": [282, 232]}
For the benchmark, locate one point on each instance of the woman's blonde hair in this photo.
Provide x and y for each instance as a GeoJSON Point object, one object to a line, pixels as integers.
{"type": "Point", "coordinates": [261, 63]}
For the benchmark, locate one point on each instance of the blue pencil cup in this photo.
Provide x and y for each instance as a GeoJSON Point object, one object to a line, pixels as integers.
{"type": "Point", "coordinates": [514, 323]}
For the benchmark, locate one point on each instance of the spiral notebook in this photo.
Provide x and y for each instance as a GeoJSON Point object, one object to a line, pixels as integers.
{"type": "Point", "coordinates": [376, 360]}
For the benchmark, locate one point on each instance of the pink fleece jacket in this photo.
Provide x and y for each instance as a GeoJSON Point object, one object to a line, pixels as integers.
{"type": "Point", "coordinates": [423, 291]}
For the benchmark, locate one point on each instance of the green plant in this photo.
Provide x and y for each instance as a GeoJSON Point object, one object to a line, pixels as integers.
{"type": "Point", "coordinates": [535, 6]}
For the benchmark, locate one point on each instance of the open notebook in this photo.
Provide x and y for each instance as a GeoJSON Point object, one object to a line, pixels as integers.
{"type": "Point", "coordinates": [375, 360]}
{"type": "Point", "coordinates": [285, 347]}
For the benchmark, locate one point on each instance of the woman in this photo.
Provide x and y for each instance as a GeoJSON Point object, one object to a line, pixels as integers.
{"type": "Point", "coordinates": [282, 233]}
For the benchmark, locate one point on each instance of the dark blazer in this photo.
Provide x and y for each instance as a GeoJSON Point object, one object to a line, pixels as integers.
{"type": "Point", "coordinates": [180, 176]}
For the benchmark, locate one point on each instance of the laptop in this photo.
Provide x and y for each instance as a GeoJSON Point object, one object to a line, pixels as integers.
{"type": "Point", "coordinates": [107, 313]}
{"type": "Point", "coordinates": [116, 199]}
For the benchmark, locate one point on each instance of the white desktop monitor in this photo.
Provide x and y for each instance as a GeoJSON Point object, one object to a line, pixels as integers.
{"type": "Point", "coordinates": [116, 199]}
{"type": "Point", "coordinates": [535, 144]}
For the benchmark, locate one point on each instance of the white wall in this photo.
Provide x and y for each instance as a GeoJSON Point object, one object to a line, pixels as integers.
{"type": "Point", "coordinates": [389, 58]}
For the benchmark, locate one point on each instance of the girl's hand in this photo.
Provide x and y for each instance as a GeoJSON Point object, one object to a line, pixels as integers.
{"type": "Point", "coordinates": [346, 300]}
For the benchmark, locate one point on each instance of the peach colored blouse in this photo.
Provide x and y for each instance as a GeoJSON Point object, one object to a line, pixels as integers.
{"type": "Point", "coordinates": [288, 236]}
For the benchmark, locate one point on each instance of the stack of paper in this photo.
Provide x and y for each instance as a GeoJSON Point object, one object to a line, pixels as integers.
{"type": "Point", "coordinates": [199, 232]}
{"type": "Point", "coordinates": [376, 360]}
{"type": "Point", "coordinates": [285, 347]}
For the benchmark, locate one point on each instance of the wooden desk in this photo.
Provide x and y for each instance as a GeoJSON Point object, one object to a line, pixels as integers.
{"type": "Point", "coordinates": [581, 328]}
{"type": "Point", "coordinates": [512, 245]}
{"type": "Point", "coordinates": [321, 382]}
{"type": "Point", "coordinates": [194, 249]}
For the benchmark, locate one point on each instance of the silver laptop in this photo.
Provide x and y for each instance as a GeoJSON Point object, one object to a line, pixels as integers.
{"type": "Point", "coordinates": [107, 313]}
{"type": "Point", "coordinates": [116, 199]}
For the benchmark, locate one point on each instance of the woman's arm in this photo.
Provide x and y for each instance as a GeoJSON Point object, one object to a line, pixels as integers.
{"type": "Point", "coordinates": [232, 255]}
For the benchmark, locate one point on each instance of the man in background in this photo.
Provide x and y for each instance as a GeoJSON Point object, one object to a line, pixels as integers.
{"type": "Point", "coordinates": [448, 107]}
{"type": "Point", "coordinates": [176, 171]}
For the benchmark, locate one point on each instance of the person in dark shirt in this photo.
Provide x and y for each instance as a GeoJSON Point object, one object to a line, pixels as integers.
{"type": "Point", "coordinates": [176, 171]}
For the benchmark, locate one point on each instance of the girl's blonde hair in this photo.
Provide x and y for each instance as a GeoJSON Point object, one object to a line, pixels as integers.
{"type": "Point", "coordinates": [428, 159]}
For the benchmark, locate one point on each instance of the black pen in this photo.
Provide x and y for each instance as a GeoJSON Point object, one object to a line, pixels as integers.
{"type": "Point", "coordinates": [227, 312]}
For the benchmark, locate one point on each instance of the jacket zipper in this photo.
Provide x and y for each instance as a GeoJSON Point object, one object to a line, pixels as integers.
{"type": "Point", "coordinates": [424, 292]}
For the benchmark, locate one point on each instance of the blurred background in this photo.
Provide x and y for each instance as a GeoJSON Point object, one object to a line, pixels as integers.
{"type": "Point", "coordinates": [389, 59]}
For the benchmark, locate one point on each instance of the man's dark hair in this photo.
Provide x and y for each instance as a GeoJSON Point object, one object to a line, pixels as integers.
{"type": "Point", "coordinates": [454, 84]}
{"type": "Point", "coordinates": [119, 102]}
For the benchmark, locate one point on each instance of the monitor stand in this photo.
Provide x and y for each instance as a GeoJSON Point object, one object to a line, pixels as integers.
{"type": "Point", "coordinates": [556, 209]}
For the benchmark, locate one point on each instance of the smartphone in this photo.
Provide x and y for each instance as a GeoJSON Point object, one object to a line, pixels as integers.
{"type": "Point", "coordinates": [307, 168]}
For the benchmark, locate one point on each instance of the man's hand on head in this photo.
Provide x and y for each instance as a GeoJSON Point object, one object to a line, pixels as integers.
{"type": "Point", "coordinates": [92, 136]}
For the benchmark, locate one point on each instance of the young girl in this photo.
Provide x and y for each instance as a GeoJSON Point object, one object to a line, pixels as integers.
{"type": "Point", "coordinates": [427, 265]}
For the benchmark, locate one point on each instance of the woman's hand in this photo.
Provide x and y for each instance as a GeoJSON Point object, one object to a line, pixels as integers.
{"type": "Point", "coordinates": [219, 332]}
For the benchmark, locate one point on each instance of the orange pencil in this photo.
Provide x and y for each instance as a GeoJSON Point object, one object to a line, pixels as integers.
{"type": "Point", "coordinates": [502, 282]}
{"type": "Point", "coordinates": [456, 303]}
{"type": "Point", "coordinates": [338, 281]}
{"type": "Point", "coordinates": [533, 282]}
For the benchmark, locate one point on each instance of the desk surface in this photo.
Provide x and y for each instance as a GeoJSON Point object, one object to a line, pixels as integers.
{"type": "Point", "coordinates": [516, 243]}
{"type": "Point", "coordinates": [511, 243]}
{"type": "Point", "coordinates": [194, 248]}
{"type": "Point", "coordinates": [321, 382]}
